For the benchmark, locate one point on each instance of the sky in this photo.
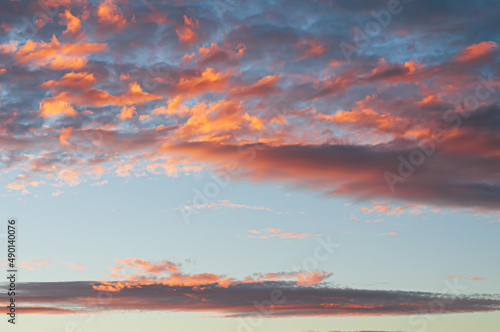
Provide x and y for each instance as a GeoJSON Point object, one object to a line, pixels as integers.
{"type": "Point", "coordinates": [236, 165]}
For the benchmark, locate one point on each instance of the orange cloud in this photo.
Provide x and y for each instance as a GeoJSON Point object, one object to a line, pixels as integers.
{"type": "Point", "coordinates": [69, 177]}
{"type": "Point", "coordinates": [412, 65]}
{"type": "Point", "coordinates": [57, 3]}
{"type": "Point", "coordinates": [310, 48]}
{"type": "Point", "coordinates": [148, 266]}
{"type": "Point", "coordinates": [72, 80]}
{"type": "Point", "coordinates": [390, 233]}
{"type": "Point", "coordinates": [75, 266]}
{"type": "Point", "coordinates": [466, 277]}
{"type": "Point", "coordinates": [55, 106]}
{"type": "Point", "coordinates": [15, 186]}
{"type": "Point", "coordinates": [99, 98]}
{"type": "Point", "coordinates": [215, 122]}
{"type": "Point", "coordinates": [167, 273]}
{"type": "Point", "coordinates": [62, 103]}
{"type": "Point", "coordinates": [358, 116]}
{"type": "Point", "coordinates": [55, 55]}
{"type": "Point", "coordinates": [111, 15]}
{"type": "Point", "coordinates": [213, 54]}
{"type": "Point", "coordinates": [158, 18]}
{"type": "Point", "coordinates": [311, 278]}
{"type": "Point", "coordinates": [127, 113]}
{"type": "Point", "coordinates": [385, 208]}
{"type": "Point", "coordinates": [73, 23]}
{"type": "Point", "coordinates": [9, 48]}
{"type": "Point", "coordinates": [65, 135]}
{"type": "Point", "coordinates": [186, 32]}
{"type": "Point", "coordinates": [362, 115]}
{"type": "Point", "coordinates": [475, 51]}
{"type": "Point", "coordinates": [41, 310]}
{"type": "Point", "coordinates": [265, 86]}
{"type": "Point", "coordinates": [209, 80]}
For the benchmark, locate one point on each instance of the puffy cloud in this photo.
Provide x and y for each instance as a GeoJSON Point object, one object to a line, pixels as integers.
{"type": "Point", "coordinates": [73, 23]}
{"type": "Point", "coordinates": [110, 15]}
{"type": "Point", "coordinates": [310, 48]}
{"type": "Point", "coordinates": [56, 106]}
{"type": "Point", "coordinates": [214, 55]}
{"type": "Point", "coordinates": [127, 113]}
{"type": "Point", "coordinates": [186, 30]}
{"type": "Point", "coordinates": [72, 80]}
{"type": "Point", "coordinates": [62, 103]}
{"type": "Point", "coordinates": [10, 47]}
{"type": "Point", "coordinates": [56, 55]}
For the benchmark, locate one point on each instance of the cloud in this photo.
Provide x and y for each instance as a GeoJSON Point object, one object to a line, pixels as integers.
{"type": "Point", "coordinates": [466, 277]}
{"type": "Point", "coordinates": [64, 101]}
{"type": "Point", "coordinates": [240, 299]}
{"type": "Point", "coordinates": [358, 171]}
{"type": "Point", "coordinates": [31, 265]}
{"type": "Point", "coordinates": [73, 23]}
{"type": "Point", "coordinates": [9, 47]}
{"type": "Point", "coordinates": [225, 203]}
{"type": "Point", "coordinates": [214, 55]}
{"type": "Point", "coordinates": [169, 273]}
{"type": "Point", "coordinates": [475, 51]}
{"type": "Point", "coordinates": [276, 232]}
{"type": "Point", "coordinates": [72, 80]}
{"type": "Point", "coordinates": [187, 30]}
{"type": "Point", "coordinates": [75, 266]}
{"type": "Point", "coordinates": [385, 209]}
{"type": "Point", "coordinates": [110, 15]}
{"type": "Point", "coordinates": [56, 55]}
{"type": "Point", "coordinates": [310, 48]}
{"type": "Point", "coordinates": [149, 267]}
{"type": "Point", "coordinates": [127, 113]}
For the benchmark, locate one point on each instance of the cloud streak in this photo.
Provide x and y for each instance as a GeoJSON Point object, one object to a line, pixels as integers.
{"type": "Point", "coordinates": [239, 300]}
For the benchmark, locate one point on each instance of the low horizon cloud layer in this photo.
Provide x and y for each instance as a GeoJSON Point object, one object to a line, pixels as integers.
{"type": "Point", "coordinates": [267, 299]}
{"type": "Point", "coordinates": [163, 286]}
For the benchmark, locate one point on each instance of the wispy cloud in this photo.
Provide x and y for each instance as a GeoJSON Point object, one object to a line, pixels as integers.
{"type": "Point", "coordinates": [72, 265]}
{"type": "Point", "coordinates": [225, 203]}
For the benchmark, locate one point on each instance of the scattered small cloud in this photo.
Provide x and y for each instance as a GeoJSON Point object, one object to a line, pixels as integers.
{"type": "Point", "coordinates": [276, 232]}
